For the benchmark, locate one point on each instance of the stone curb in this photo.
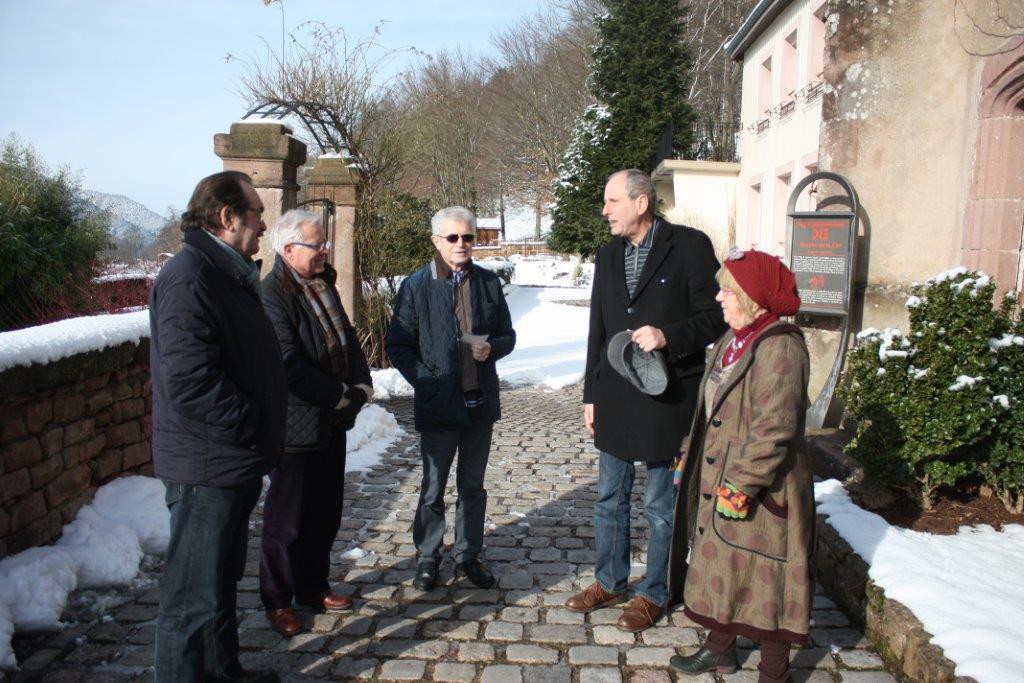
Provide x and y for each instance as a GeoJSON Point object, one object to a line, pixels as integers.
{"type": "Point", "coordinates": [893, 630]}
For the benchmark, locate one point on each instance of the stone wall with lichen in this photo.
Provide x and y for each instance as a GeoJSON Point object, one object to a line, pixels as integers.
{"type": "Point", "coordinates": [899, 121]}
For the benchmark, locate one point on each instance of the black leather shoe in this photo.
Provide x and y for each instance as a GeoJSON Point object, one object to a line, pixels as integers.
{"type": "Point", "coordinates": [477, 572]}
{"type": "Point", "coordinates": [702, 661]}
{"type": "Point", "coordinates": [426, 577]}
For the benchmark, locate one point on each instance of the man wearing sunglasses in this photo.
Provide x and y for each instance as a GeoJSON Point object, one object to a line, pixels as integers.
{"type": "Point", "coordinates": [450, 326]}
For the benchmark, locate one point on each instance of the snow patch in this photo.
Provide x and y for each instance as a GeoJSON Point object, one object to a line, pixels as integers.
{"type": "Point", "coordinates": [7, 659]}
{"type": "Point", "coordinates": [389, 383]}
{"type": "Point", "coordinates": [965, 588]}
{"type": "Point", "coordinates": [964, 382]}
{"type": "Point", "coordinates": [1007, 340]}
{"type": "Point", "coordinates": [950, 274]}
{"type": "Point", "coordinates": [106, 552]}
{"type": "Point", "coordinates": [143, 499]}
{"type": "Point", "coordinates": [35, 584]}
{"type": "Point", "coordinates": [375, 429]}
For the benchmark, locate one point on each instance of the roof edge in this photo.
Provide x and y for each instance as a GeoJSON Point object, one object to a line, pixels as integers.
{"type": "Point", "coordinates": [763, 14]}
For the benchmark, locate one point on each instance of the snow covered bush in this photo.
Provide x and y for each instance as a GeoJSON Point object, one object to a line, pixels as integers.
{"type": "Point", "coordinates": [928, 404]}
{"type": "Point", "coordinates": [1003, 470]}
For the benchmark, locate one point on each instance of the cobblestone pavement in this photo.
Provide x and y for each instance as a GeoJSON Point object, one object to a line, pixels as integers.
{"type": "Point", "coordinates": [541, 483]}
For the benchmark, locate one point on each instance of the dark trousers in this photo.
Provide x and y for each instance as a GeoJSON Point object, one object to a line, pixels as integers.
{"type": "Point", "coordinates": [301, 516]}
{"type": "Point", "coordinates": [196, 624]}
{"type": "Point", "coordinates": [437, 450]}
{"type": "Point", "coordinates": [774, 666]}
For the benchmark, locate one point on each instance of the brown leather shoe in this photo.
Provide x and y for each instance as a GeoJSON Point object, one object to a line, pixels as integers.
{"type": "Point", "coordinates": [641, 613]}
{"type": "Point", "coordinates": [593, 597]}
{"type": "Point", "coordinates": [326, 600]}
{"type": "Point", "coordinates": [284, 621]}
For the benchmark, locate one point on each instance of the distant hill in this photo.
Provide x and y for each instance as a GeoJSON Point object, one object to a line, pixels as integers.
{"type": "Point", "coordinates": [126, 214]}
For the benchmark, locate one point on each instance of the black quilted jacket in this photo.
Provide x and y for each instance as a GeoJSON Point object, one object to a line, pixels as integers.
{"type": "Point", "coordinates": [313, 390]}
{"type": "Point", "coordinates": [218, 381]}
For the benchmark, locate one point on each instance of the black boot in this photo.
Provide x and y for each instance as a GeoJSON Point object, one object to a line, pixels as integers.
{"type": "Point", "coordinates": [703, 661]}
{"type": "Point", "coordinates": [477, 572]}
{"type": "Point", "coordinates": [426, 576]}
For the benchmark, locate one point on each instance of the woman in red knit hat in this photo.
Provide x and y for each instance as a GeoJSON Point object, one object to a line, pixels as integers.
{"type": "Point", "coordinates": [745, 506]}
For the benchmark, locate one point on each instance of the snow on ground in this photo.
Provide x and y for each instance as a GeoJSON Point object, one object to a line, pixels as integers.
{"type": "Point", "coordinates": [546, 271]}
{"type": "Point", "coordinates": [389, 383]}
{"type": "Point", "coordinates": [374, 431]}
{"type": "Point", "coordinates": [7, 659]}
{"type": "Point", "coordinates": [47, 343]}
{"type": "Point", "coordinates": [520, 222]}
{"type": "Point", "coordinates": [551, 337]}
{"type": "Point", "coordinates": [965, 588]}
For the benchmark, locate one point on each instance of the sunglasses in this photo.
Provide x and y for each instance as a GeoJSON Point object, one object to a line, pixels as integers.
{"type": "Point", "coordinates": [467, 238]}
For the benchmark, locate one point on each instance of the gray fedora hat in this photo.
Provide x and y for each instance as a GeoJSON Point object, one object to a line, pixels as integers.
{"type": "Point", "coordinates": [646, 370]}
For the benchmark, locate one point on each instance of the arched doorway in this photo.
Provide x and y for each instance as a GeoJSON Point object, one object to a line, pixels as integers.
{"type": "Point", "coordinates": [994, 221]}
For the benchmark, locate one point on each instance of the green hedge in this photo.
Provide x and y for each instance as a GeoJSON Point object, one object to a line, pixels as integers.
{"type": "Point", "coordinates": [942, 403]}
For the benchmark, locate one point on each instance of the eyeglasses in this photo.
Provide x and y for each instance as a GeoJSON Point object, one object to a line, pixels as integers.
{"type": "Point", "coordinates": [735, 254]}
{"type": "Point", "coordinates": [467, 238]}
{"type": "Point", "coordinates": [323, 246]}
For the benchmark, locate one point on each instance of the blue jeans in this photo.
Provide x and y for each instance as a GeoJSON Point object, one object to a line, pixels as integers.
{"type": "Point", "coordinates": [611, 526]}
{"type": "Point", "coordinates": [196, 624]}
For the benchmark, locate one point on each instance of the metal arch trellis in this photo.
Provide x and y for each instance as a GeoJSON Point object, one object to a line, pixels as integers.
{"type": "Point", "coordinates": [319, 129]}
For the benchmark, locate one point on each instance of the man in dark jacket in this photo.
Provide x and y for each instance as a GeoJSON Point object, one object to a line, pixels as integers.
{"type": "Point", "coordinates": [657, 280]}
{"type": "Point", "coordinates": [450, 326]}
{"type": "Point", "coordinates": [328, 383]}
{"type": "Point", "coordinates": [218, 422]}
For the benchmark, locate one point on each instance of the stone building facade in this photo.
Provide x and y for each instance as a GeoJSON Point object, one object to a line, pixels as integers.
{"type": "Point", "coordinates": [923, 114]}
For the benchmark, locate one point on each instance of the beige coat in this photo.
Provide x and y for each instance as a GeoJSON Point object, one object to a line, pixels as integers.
{"type": "Point", "coordinates": [751, 576]}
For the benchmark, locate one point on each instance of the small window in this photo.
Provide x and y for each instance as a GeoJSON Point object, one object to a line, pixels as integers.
{"type": "Point", "coordinates": [789, 67]}
{"type": "Point", "coordinates": [764, 100]}
{"type": "Point", "coordinates": [816, 48]}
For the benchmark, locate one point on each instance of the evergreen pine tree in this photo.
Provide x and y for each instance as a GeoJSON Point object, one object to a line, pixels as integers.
{"type": "Point", "coordinates": [639, 79]}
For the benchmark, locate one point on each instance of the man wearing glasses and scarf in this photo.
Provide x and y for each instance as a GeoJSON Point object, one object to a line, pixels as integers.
{"type": "Point", "coordinates": [450, 326]}
{"type": "Point", "coordinates": [328, 383]}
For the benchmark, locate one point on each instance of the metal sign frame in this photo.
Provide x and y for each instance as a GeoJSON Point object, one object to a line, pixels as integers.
{"type": "Point", "coordinates": [818, 411]}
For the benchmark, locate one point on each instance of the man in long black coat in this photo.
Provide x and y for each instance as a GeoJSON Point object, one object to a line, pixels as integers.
{"type": "Point", "coordinates": [656, 279]}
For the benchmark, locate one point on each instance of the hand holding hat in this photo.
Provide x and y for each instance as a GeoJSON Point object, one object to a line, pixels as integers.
{"type": "Point", "coordinates": [646, 370]}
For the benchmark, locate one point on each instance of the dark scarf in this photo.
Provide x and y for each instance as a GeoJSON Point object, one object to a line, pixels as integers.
{"type": "Point", "coordinates": [328, 314]}
{"type": "Point", "coordinates": [742, 338]}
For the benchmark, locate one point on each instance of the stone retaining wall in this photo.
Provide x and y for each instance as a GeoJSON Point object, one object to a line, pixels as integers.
{"type": "Point", "coordinates": [66, 428]}
{"type": "Point", "coordinates": [890, 626]}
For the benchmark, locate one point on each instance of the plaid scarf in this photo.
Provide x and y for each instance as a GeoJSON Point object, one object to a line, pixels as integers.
{"type": "Point", "coordinates": [328, 314]}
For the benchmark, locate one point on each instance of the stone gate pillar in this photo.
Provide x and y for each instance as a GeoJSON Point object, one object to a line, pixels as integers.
{"type": "Point", "coordinates": [332, 179]}
{"type": "Point", "coordinates": [267, 151]}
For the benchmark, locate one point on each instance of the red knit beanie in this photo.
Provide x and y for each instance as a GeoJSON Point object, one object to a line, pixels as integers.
{"type": "Point", "coordinates": [766, 280]}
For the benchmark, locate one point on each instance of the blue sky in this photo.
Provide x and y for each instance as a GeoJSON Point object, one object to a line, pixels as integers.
{"type": "Point", "coordinates": [130, 93]}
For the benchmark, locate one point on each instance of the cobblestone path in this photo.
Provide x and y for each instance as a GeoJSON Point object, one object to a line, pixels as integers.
{"type": "Point", "coordinates": [541, 481]}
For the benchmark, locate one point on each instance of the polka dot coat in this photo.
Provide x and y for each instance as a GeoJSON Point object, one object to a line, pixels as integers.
{"type": "Point", "coordinates": [749, 576]}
